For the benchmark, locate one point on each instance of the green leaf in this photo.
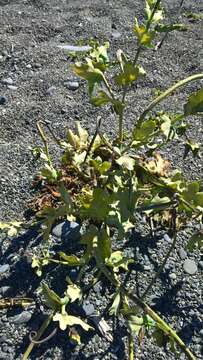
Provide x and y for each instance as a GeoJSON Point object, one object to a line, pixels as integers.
{"type": "Point", "coordinates": [159, 337]}
{"type": "Point", "coordinates": [90, 73]}
{"type": "Point", "coordinates": [104, 244]}
{"type": "Point", "coordinates": [144, 36]}
{"type": "Point", "coordinates": [143, 133]}
{"type": "Point", "coordinates": [69, 320]}
{"type": "Point", "coordinates": [74, 292]}
{"type": "Point", "coordinates": [126, 162]}
{"type": "Point", "coordinates": [71, 260]}
{"type": "Point", "coordinates": [65, 196]}
{"type": "Point", "coordinates": [194, 104]}
{"type": "Point", "coordinates": [117, 260]}
{"type": "Point", "coordinates": [165, 125]}
{"type": "Point", "coordinates": [191, 146]}
{"type": "Point", "coordinates": [168, 28]}
{"type": "Point", "coordinates": [98, 207]}
{"type": "Point", "coordinates": [116, 304]}
{"type": "Point", "coordinates": [100, 53]}
{"type": "Point", "coordinates": [102, 98]}
{"type": "Point", "coordinates": [196, 241]}
{"type": "Point", "coordinates": [130, 74]}
{"type": "Point", "coordinates": [52, 300]}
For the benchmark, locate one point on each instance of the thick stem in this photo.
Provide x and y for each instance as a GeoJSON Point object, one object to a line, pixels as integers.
{"type": "Point", "coordinates": [160, 322]}
{"type": "Point", "coordinates": [167, 93]}
{"type": "Point", "coordinates": [131, 346]}
{"type": "Point", "coordinates": [39, 334]}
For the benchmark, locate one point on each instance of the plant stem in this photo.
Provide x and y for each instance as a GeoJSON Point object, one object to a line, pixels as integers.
{"type": "Point", "coordinates": [167, 93]}
{"type": "Point", "coordinates": [160, 322]}
{"type": "Point", "coordinates": [131, 346]}
{"type": "Point", "coordinates": [43, 137]}
{"type": "Point", "coordinates": [42, 329]}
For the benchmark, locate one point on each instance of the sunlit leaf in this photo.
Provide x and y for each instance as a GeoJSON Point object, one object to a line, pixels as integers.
{"type": "Point", "coordinates": [74, 292]}
{"type": "Point", "coordinates": [12, 228]}
{"type": "Point", "coordinates": [144, 36]}
{"type": "Point", "coordinates": [194, 104]}
{"type": "Point", "coordinates": [81, 133]}
{"type": "Point", "coordinates": [135, 323]}
{"type": "Point", "coordinates": [126, 162]}
{"type": "Point", "coordinates": [130, 74]}
{"type": "Point", "coordinates": [191, 146]}
{"type": "Point", "coordinates": [69, 320]}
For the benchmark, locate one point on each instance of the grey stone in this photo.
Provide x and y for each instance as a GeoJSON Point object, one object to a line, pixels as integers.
{"type": "Point", "coordinates": [2, 100]}
{"type": "Point", "coordinates": [7, 81]}
{"type": "Point", "coordinates": [4, 290]}
{"type": "Point", "coordinates": [4, 268]}
{"type": "Point", "coordinates": [67, 230]}
{"type": "Point", "coordinates": [201, 333]}
{"type": "Point", "coordinates": [50, 91]}
{"type": "Point", "coordinates": [200, 264]}
{"type": "Point", "coordinates": [88, 308]}
{"type": "Point", "coordinates": [12, 87]}
{"type": "Point", "coordinates": [182, 253]}
{"type": "Point", "coordinates": [172, 276]}
{"type": "Point", "coordinates": [116, 34]}
{"type": "Point", "coordinates": [3, 355]}
{"type": "Point", "coordinates": [190, 267]}
{"type": "Point", "coordinates": [72, 85]}
{"type": "Point", "coordinates": [22, 318]}
{"type": "Point", "coordinates": [167, 238]}
{"type": "Point", "coordinates": [29, 66]}
{"type": "Point", "coordinates": [147, 267]}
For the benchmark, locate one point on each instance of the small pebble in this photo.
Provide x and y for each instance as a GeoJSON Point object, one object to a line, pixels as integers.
{"type": "Point", "coordinates": [182, 253]}
{"type": "Point", "coordinates": [7, 81]}
{"type": "Point", "coordinates": [4, 290]}
{"type": "Point", "coordinates": [115, 34]}
{"type": "Point", "coordinates": [29, 66]}
{"type": "Point", "coordinates": [147, 267]}
{"type": "Point", "coordinates": [200, 264]}
{"type": "Point", "coordinates": [2, 100]}
{"type": "Point", "coordinates": [12, 87]}
{"type": "Point", "coordinates": [21, 318]}
{"type": "Point", "coordinates": [66, 230]}
{"type": "Point", "coordinates": [4, 268]}
{"type": "Point", "coordinates": [88, 308]}
{"type": "Point", "coordinates": [201, 333]}
{"type": "Point", "coordinates": [72, 85]}
{"type": "Point", "coordinates": [172, 276]}
{"type": "Point", "coordinates": [167, 238]}
{"type": "Point", "coordinates": [50, 91]}
{"type": "Point", "coordinates": [190, 267]}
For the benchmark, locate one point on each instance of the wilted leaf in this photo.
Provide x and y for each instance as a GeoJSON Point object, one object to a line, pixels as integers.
{"type": "Point", "coordinates": [195, 242]}
{"type": "Point", "coordinates": [69, 320]}
{"type": "Point", "coordinates": [158, 166]}
{"type": "Point", "coordinates": [74, 292]}
{"type": "Point", "coordinates": [194, 104]}
{"type": "Point", "coordinates": [52, 300]}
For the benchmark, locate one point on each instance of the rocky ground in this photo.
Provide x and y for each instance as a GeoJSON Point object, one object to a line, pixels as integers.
{"type": "Point", "coordinates": [36, 83]}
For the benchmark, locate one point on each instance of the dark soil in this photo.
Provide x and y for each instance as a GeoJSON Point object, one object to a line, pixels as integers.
{"type": "Point", "coordinates": [30, 31]}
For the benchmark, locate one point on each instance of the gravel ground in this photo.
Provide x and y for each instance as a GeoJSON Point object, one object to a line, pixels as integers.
{"type": "Point", "coordinates": [33, 85]}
